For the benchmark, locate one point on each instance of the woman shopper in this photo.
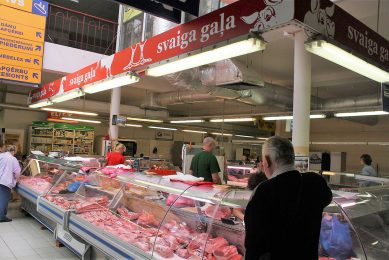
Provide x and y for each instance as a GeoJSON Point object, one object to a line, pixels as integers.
{"type": "Point", "coordinates": [367, 169]}
{"type": "Point", "coordinates": [116, 156]}
{"type": "Point", "coordinates": [9, 173]}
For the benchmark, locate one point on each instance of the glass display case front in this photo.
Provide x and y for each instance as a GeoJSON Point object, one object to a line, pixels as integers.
{"type": "Point", "coordinates": [146, 216]}
{"type": "Point", "coordinates": [40, 174]}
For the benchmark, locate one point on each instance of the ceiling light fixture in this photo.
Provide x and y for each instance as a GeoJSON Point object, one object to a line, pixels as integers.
{"type": "Point", "coordinates": [144, 120]}
{"type": "Point", "coordinates": [41, 104]}
{"type": "Point", "coordinates": [228, 49]}
{"type": "Point", "coordinates": [114, 82]}
{"type": "Point", "coordinates": [262, 138]}
{"type": "Point", "coordinates": [194, 131]}
{"type": "Point", "coordinates": [345, 59]}
{"type": "Point", "coordinates": [222, 134]}
{"type": "Point", "coordinates": [186, 121]}
{"type": "Point", "coordinates": [81, 120]}
{"type": "Point", "coordinates": [132, 125]}
{"type": "Point", "coordinates": [69, 111]}
{"type": "Point", "coordinates": [229, 120]}
{"type": "Point", "coordinates": [163, 128]}
{"type": "Point", "coordinates": [68, 96]}
{"type": "Point", "coordinates": [275, 118]}
{"type": "Point", "coordinates": [245, 136]}
{"type": "Point", "coordinates": [365, 113]}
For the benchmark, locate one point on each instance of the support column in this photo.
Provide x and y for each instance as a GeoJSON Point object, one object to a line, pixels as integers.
{"type": "Point", "coordinates": [116, 92]}
{"type": "Point", "coordinates": [114, 110]}
{"type": "Point", "coordinates": [301, 95]}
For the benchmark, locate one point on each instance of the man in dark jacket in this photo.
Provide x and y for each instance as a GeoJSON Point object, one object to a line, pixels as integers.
{"type": "Point", "coordinates": [284, 215]}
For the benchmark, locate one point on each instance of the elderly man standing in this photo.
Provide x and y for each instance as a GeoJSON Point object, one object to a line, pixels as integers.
{"type": "Point", "coordinates": [284, 215]}
{"type": "Point", "coordinates": [205, 163]}
{"type": "Point", "coordinates": [9, 173]}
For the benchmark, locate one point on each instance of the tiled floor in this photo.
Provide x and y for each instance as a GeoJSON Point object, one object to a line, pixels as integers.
{"type": "Point", "coordinates": [23, 239]}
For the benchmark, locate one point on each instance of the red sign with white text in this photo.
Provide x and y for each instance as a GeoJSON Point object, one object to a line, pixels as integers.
{"type": "Point", "coordinates": [331, 21]}
{"type": "Point", "coordinates": [226, 23]}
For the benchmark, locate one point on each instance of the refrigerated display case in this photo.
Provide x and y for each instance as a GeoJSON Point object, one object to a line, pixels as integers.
{"type": "Point", "coordinates": [139, 216]}
{"type": "Point", "coordinates": [238, 173]}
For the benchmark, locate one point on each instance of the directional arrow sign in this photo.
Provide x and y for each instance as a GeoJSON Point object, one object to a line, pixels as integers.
{"type": "Point", "coordinates": [20, 45]}
{"type": "Point", "coordinates": [21, 31]}
{"type": "Point", "coordinates": [20, 74]}
{"type": "Point", "coordinates": [19, 59]}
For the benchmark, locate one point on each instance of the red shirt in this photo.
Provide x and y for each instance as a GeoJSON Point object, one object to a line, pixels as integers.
{"type": "Point", "coordinates": [115, 158]}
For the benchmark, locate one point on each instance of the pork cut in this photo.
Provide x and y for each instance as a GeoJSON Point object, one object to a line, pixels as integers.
{"type": "Point", "coordinates": [164, 251]}
{"type": "Point", "coordinates": [147, 219]}
{"type": "Point", "coordinates": [215, 243]}
{"type": "Point", "coordinates": [128, 214]}
{"type": "Point", "coordinates": [218, 212]}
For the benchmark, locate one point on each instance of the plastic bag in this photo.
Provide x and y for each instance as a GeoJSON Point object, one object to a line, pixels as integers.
{"type": "Point", "coordinates": [335, 238]}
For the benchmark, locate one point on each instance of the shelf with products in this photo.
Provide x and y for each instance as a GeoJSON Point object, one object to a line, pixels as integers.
{"type": "Point", "coordinates": [61, 136]}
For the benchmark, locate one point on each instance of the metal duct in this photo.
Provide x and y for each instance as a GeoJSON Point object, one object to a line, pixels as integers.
{"type": "Point", "coordinates": [200, 95]}
{"type": "Point", "coordinates": [360, 101]}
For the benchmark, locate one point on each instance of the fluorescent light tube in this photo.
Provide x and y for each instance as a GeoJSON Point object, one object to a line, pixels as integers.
{"type": "Point", "coordinates": [262, 138]}
{"type": "Point", "coordinates": [41, 104]}
{"type": "Point", "coordinates": [68, 96]}
{"type": "Point", "coordinates": [194, 131]}
{"type": "Point", "coordinates": [219, 120]}
{"type": "Point", "coordinates": [163, 128]}
{"type": "Point", "coordinates": [222, 134]}
{"type": "Point", "coordinates": [69, 111]}
{"type": "Point", "coordinates": [319, 116]}
{"type": "Point", "coordinates": [111, 83]}
{"type": "Point", "coordinates": [345, 59]}
{"type": "Point", "coordinates": [186, 121]}
{"type": "Point", "coordinates": [144, 120]}
{"type": "Point", "coordinates": [245, 136]}
{"type": "Point", "coordinates": [190, 60]}
{"type": "Point", "coordinates": [365, 113]}
{"type": "Point", "coordinates": [275, 118]}
{"type": "Point", "coordinates": [82, 120]}
{"type": "Point", "coordinates": [131, 125]}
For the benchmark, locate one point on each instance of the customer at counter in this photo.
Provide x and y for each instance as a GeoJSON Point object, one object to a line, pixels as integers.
{"type": "Point", "coordinates": [205, 163]}
{"type": "Point", "coordinates": [283, 217]}
{"type": "Point", "coordinates": [367, 169]}
{"type": "Point", "coordinates": [9, 173]}
{"type": "Point", "coordinates": [116, 156]}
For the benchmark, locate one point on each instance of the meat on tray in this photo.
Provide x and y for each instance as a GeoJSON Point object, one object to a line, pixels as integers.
{"type": "Point", "coordinates": [128, 214]}
{"type": "Point", "coordinates": [40, 184]}
{"type": "Point", "coordinates": [218, 212]}
{"type": "Point", "coordinates": [226, 251]}
{"type": "Point", "coordinates": [147, 219]}
{"type": "Point", "coordinates": [164, 251]}
{"type": "Point", "coordinates": [91, 204]}
{"type": "Point", "coordinates": [173, 238]}
{"type": "Point", "coordinates": [215, 243]}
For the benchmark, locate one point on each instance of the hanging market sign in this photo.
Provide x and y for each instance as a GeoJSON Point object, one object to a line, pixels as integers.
{"type": "Point", "coordinates": [328, 19]}
{"type": "Point", "coordinates": [32, 6]}
{"type": "Point", "coordinates": [21, 31]}
{"type": "Point", "coordinates": [237, 19]}
{"type": "Point", "coordinates": [22, 40]}
{"type": "Point", "coordinates": [20, 17]}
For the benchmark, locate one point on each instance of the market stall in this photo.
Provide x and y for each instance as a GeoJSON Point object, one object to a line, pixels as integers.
{"type": "Point", "coordinates": [139, 216]}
